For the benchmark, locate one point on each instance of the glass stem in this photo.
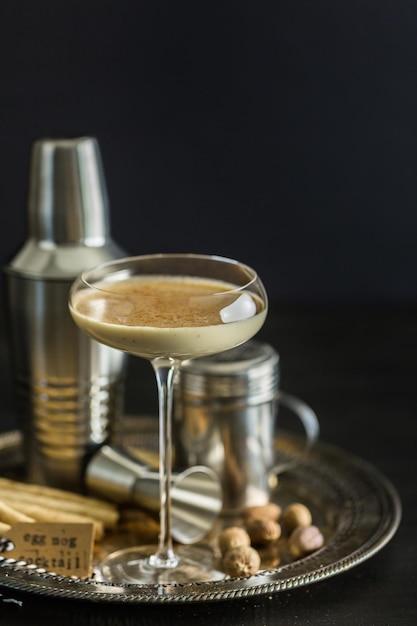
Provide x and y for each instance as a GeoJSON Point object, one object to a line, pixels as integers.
{"type": "Point", "coordinates": [165, 370]}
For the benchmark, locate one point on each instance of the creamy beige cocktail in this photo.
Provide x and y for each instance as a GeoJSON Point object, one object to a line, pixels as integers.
{"type": "Point", "coordinates": [173, 316]}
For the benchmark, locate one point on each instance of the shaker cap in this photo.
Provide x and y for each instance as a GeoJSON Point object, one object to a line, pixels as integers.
{"type": "Point", "coordinates": [249, 372]}
{"type": "Point", "coordinates": [67, 196]}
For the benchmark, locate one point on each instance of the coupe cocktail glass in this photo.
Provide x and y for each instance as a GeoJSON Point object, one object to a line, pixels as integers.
{"type": "Point", "coordinates": [167, 308]}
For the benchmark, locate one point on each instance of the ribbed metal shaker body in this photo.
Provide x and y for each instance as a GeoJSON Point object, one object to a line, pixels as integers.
{"type": "Point", "coordinates": [69, 388]}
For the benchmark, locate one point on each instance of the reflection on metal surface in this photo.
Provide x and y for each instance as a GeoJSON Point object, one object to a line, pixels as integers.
{"type": "Point", "coordinates": [356, 507]}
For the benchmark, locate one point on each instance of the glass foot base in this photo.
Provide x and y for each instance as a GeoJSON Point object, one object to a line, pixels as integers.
{"type": "Point", "coordinates": [134, 566]}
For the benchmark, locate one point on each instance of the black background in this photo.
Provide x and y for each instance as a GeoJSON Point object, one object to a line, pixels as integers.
{"type": "Point", "coordinates": [282, 133]}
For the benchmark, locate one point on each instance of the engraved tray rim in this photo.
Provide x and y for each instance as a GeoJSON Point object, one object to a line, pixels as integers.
{"type": "Point", "coordinates": [368, 515]}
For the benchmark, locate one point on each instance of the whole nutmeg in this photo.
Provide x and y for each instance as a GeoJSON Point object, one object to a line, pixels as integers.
{"type": "Point", "coordinates": [296, 514]}
{"type": "Point", "coordinates": [270, 510]}
{"type": "Point", "coordinates": [233, 537]}
{"type": "Point", "coordinates": [304, 540]}
{"type": "Point", "coordinates": [263, 531]}
{"type": "Point", "coordinates": [241, 561]}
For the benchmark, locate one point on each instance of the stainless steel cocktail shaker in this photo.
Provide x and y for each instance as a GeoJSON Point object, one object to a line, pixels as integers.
{"type": "Point", "coordinates": [69, 388]}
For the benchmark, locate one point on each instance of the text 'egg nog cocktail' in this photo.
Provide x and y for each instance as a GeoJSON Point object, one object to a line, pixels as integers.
{"type": "Point", "coordinates": [167, 308]}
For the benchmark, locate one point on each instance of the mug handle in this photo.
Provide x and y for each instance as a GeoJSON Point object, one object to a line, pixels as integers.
{"type": "Point", "coordinates": [309, 420]}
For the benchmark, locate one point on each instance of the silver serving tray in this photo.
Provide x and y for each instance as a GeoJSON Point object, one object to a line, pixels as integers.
{"type": "Point", "coordinates": [355, 506]}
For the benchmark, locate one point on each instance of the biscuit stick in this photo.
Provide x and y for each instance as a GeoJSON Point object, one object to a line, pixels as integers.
{"type": "Point", "coordinates": [4, 529]}
{"type": "Point", "coordinates": [15, 492]}
{"type": "Point", "coordinates": [9, 515]}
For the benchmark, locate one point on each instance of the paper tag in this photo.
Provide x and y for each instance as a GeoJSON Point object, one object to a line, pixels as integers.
{"type": "Point", "coordinates": [65, 549]}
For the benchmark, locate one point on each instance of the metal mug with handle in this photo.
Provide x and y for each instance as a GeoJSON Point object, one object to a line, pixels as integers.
{"type": "Point", "coordinates": [226, 408]}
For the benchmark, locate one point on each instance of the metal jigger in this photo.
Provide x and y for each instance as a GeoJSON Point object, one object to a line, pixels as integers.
{"type": "Point", "coordinates": [196, 493]}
